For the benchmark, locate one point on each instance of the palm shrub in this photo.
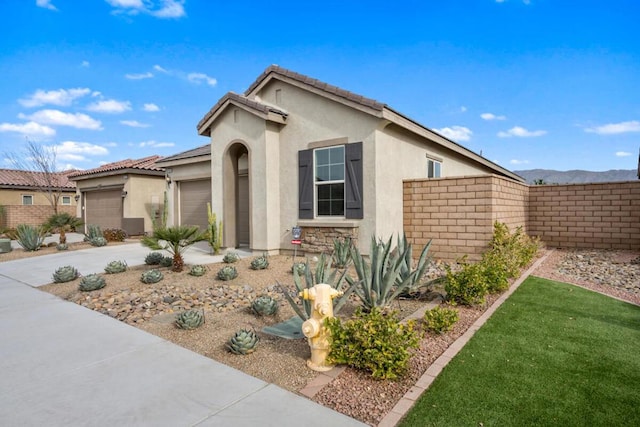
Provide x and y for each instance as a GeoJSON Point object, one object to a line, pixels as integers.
{"type": "Point", "coordinates": [166, 261]}
{"type": "Point", "coordinates": [175, 240]}
{"type": "Point", "coordinates": [62, 222]}
{"type": "Point", "coordinates": [30, 237]}
{"type": "Point", "coordinates": [373, 341]}
{"type": "Point", "coordinates": [341, 252]}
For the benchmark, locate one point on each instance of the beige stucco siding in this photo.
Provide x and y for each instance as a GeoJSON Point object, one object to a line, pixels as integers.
{"type": "Point", "coordinates": [9, 197]}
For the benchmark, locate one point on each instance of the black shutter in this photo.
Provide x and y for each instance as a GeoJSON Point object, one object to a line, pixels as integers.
{"type": "Point", "coordinates": [305, 184]}
{"type": "Point", "coordinates": [353, 180]}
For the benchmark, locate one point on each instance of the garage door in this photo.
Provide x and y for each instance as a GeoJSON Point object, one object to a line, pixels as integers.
{"type": "Point", "coordinates": [194, 196]}
{"type": "Point", "coordinates": [104, 208]}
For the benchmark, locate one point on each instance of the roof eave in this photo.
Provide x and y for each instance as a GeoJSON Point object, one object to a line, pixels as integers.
{"type": "Point", "coordinates": [204, 129]}
{"type": "Point", "coordinates": [186, 161]}
{"type": "Point", "coordinates": [124, 171]}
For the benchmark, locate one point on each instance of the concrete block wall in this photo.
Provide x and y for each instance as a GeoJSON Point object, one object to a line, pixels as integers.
{"type": "Point", "coordinates": [31, 214]}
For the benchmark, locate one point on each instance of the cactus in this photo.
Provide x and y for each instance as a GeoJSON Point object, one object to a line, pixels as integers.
{"type": "Point", "coordinates": [166, 261]}
{"type": "Point", "coordinates": [228, 272]}
{"type": "Point", "coordinates": [260, 263]}
{"type": "Point", "coordinates": [243, 342]}
{"type": "Point", "coordinates": [62, 246]}
{"type": "Point", "coordinates": [153, 258]}
{"type": "Point", "coordinates": [91, 282]}
{"type": "Point", "coordinates": [151, 276]}
{"type": "Point", "coordinates": [300, 268]}
{"type": "Point", "coordinates": [190, 319]}
{"type": "Point", "coordinates": [265, 305]}
{"type": "Point", "coordinates": [65, 274]}
{"type": "Point", "coordinates": [98, 241]}
{"type": "Point", "coordinates": [231, 257]}
{"type": "Point", "coordinates": [198, 270]}
{"type": "Point", "coordinates": [115, 267]}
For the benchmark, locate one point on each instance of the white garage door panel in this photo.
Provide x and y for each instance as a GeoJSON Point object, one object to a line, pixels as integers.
{"type": "Point", "coordinates": [104, 208]}
{"type": "Point", "coordinates": [194, 196]}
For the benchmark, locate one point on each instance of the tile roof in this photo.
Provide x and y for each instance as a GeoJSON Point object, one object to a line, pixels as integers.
{"type": "Point", "coordinates": [241, 99]}
{"type": "Point", "coordinates": [203, 150]}
{"type": "Point", "coordinates": [29, 179]}
{"type": "Point", "coordinates": [144, 164]}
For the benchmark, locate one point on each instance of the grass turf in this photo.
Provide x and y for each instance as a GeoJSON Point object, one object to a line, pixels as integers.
{"type": "Point", "coordinates": [552, 354]}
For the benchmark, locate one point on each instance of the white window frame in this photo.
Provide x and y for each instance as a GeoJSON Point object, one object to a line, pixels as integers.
{"type": "Point", "coordinates": [27, 197]}
{"type": "Point", "coordinates": [317, 184]}
{"type": "Point", "coordinates": [434, 168]}
{"type": "Point", "coordinates": [62, 199]}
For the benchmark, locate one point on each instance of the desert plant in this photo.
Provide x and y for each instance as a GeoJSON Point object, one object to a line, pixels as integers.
{"type": "Point", "coordinates": [260, 263]}
{"type": "Point", "coordinates": [175, 240]}
{"type": "Point", "coordinates": [62, 222]}
{"type": "Point", "coordinates": [190, 319]}
{"type": "Point", "coordinates": [198, 270]}
{"type": "Point", "coordinates": [214, 230]}
{"type": "Point", "coordinates": [93, 231]}
{"type": "Point", "coordinates": [231, 257]}
{"type": "Point", "coordinates": [228, 272]}
{"type": "Point", "coordinates": [440, 319]}
{"type": "Point", "coordinates": [65, 274]}
{"type": "Point", "coordinates": [243, 342]}
{"type": "Point", "coordinates": [114, 234]}
{"type": "Point", "coordinates": [91, 282]}
{"type": "Point", "coordinates": [62, 246]}
{"type": "Point", "coordinates": [299, 267]}
{"type": "Point", "coordinates": [116, 267]}
{"type": "Point", "coordinates": [98, 241]}
{"type": "Point", "coordinates": [30, 237]}
{"type": "Point", "coordinates": [411, 277]}
{"type": "Point", "coordinates": [341, 252]}
{"type": "Point", "coordinates": [467, 286]}
{"type": "Point", "coordinates": [151, 276]}
{"type": "Point", "coordinates": [166, 261]}
{"type": "Point", "coordinates": [373, 341]}
{"type": "Point", "coordinates": [153, 258]}
{"type": "Point", "coordinates": [264, 305]}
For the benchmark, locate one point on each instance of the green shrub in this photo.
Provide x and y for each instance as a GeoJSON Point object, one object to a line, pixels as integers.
{"type": "Point", "coordinates": [30, 237]}
{"type": "Point", "coordinates": [467, 286]}
{"type": "Point", "coordinates": [114, 234]}
{"type": "Point", "coordinates": [440, 319]}
{"type": "Point", "coordinates": [375, 341]}
{"type": "Point", "coordinates": [496, 272]}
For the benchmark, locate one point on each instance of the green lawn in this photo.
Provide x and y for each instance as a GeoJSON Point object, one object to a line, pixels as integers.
{"type": "Point", "coordinates": [552, 354]}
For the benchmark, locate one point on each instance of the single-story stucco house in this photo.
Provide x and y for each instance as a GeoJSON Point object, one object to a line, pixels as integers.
{"type": "Point", "coordinates": [128, 194]}
{"type": "Point", "coordinates": [296, 152]}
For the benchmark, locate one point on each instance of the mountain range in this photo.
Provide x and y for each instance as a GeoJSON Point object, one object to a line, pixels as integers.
{"type": "Point", "coordinates": [577, 176]}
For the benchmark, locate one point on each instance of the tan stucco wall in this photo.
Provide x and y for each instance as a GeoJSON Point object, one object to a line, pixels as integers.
{"type": "Point", "coordinates": [14, 197]}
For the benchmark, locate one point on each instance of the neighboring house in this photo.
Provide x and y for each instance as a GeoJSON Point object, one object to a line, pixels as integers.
{"type": "Point", "coordinates": [128, 194]}
{"type": "Point", "coordinates": [189, 186]}
{"type": "Point", "coordinates": [293, 151]}
{"type": "Point", "coordinates": [22, 196]}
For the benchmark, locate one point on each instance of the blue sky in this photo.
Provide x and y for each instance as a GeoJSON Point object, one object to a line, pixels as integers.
{"type": "Point", "coordinates": [530, 84]}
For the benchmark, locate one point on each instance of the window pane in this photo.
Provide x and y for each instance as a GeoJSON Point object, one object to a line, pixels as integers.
{"type": "Point", "coordinates": [322, 173]}
{"type": "Point", "coordinates": [336, 154]}
{"type": "Point", "coordinates": [324, 208]}
{"type": "Point", "coordinates": [330, 200]}
{"type": "Point", "coordinates": [337, 172]}
{"type": "Point", "coordinates": [438, 166]}
{"type": "Point", "coordinates": [324, 192]}
{"type": "Point", "coordinates": [27, 200]}
{"type": "Point", "coordinates": [322, 157]}
{"type": "Point", "coordinates": [429, 168]}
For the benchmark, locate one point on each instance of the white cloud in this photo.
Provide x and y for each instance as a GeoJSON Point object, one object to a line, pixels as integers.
{"type": "Point", "coordinates": [159, 68]}
{"type": "Point", "coordinates": [159, 8]}
{"type": "Point", "coordinates": [61, 97]}
{"type": "Point", "coordinates": [519, 162]}
{"type": "Point", "coordinates": [198, 78]}
{"type": "Point", "coordinates": [456, 133]}
{"type": "Point", "coordinates": [134, 124]}
{"type": "Point", "coordinates": [521, 132]}
{"type": "Point", "coordinates": [463, 109]}
{"type": "Point", "coordinates": [151, 107]}
{"type": "Point", "coordinates": [139, 76]}
{"type": "Point", "coordinates": [491, 116]}
{"type": "Point", "coordinates": [60, 118]}
{"type": "Point", "coordinates": [110, 106]}
{"type": "Point", "coordinates": [32, 129]}
{"type": "Point", "coordinates": [85, 64]}
{"type": "Point", "coordinates": [615, 128]}
{"type": "Point", "coordinates": [73, 151]}
{"type": "Point", "coordinates": [623, 154]}
{"type": "Point", "coordinates": [45, 4]}
{"type": "Point", "coordinates": [156, 144]}
{"type": "Point", "coordinates": [170, 9]}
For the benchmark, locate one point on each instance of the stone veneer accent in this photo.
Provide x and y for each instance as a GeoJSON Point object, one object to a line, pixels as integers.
{"type": "Point", "coordinates": [320, 239]}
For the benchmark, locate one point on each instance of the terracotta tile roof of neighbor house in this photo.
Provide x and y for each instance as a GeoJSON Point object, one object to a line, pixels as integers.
{"type": "Point", "coordinates": [15, 178]}
{"type": "Point", "coordinates": [203, 150]}
{"type": "Point", "coordinates": [146, 164]}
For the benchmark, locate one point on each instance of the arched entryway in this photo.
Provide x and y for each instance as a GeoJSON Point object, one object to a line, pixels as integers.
{"type": "Point", "coordinates": [237, 211]}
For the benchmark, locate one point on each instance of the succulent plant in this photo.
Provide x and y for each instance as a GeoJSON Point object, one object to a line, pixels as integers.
{"type": "Point", "coordinates": [198, 270]}
{"type": "Point", "coordinates": [228, 272]}
{"type": "Point", "coordinates": [62, 246]}
{"type": "Point", "coordinates": [65, 274]}
{"type": "Point", "coordinates": [98, 241]}
{"type": "Point", "coordinates": [260, 263]}
{"type": "Point", "coordinates": [265, 305]}
{"type": "Point", "coordinates": [153, 258]}
{"type": "Point", "coordinates": [151, 276]}
{"type": "Point", "coordinates": [91, 282]}
{"type": "Point", "coordinates": [231, 257]}
{"type": "Point", "coordinates": [166, 261]}
{"type": "Point", "coordinates": [190, 319]}
{"type": "Point", "coordinates": [116, 267]}
{"type": "Point", "coordinates": [300, 267]}
{"type": "Point", "coordinates": [243, 342]}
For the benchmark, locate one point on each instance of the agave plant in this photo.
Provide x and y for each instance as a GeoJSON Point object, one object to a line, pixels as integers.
{"type": "Point", "coordinates": [175, 240]}
{"type": "Point", "coordinates": [93, 231]}
{"type": "Point", "coordinates": [62, 222]}
{"type": "Point", "coordinates": [300, 267]}
{"type": "Point", "coordinates": [62, 246]}
{"type": "Point", "coordinates": [91, 282]}
{"type": "Point", "coordinates": [98, 241]}
{"type": "Point", "coordinates": [408, 276]}
{"type": "Point", "coordinates": [190, 319]}
{"type": "Point", "coordinates": [198, 270]}
{"type": "Point", "coordinates": [166, 261]}
{"type": "Point", "coordinates": [265, 305]}
{"type": "Point", "coordinates": [243, 342]}
{"type": "Point", "coordinates": [65, 274]}
{"type": "Point", "coordinates": [260, 263]}
{"type": "Point", "coordinates": [151, 276]}
{"type": "Point", "coordinates": [153, 258]}
{"type": "Point", "coordinates": [231, 257]}
{"type": "Point", "coordinates": [341, 252]}
{"type": "Point", "coordinates": [30, 237]}
{"type": "Point", "coordinates": [116, 267]}
{"type": "Point", "coordinates": [228, 272]}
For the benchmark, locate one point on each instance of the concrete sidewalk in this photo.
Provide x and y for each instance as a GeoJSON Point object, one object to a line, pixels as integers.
{"type": "Point", "coordinates": [64, 365]}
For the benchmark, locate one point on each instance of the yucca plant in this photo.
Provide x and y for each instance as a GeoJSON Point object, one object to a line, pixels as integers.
{"type": "Point", "coordinates": [341, 252]}
{"type": "Point", "coordinates": [243, 342]}
{"type": "Point", "coordinates": [175, 240]}
{"type": "Point", "coordinates": [265, 305]}
{"type": "Point", "coordinates": [190, 319]}
{"type": "Point", "coordinates": [151, 276]}
{"type": "Point", "coordinates": [65, 274]}
{"type": "Point", "coordinates": [91, 282]}
{"type": "Point", "coordinates": [30, 237]}
{"type": "Point", "coordinates": [228, 272]}
{"type": "Point", "coordinates": [231, 257]}
{"type": "Point", "coordinates": [153, 258]}
{"type": "Point", "coordinates": [116, 267]}
{"type": "Point", "coordinates": [98, 241]}
{"type": "Point", "coordinates": [260, 263]}
{"type": "Point", "coordinates": [198, 270]}
{"type": "Point", "coordinates": [62, 222]}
